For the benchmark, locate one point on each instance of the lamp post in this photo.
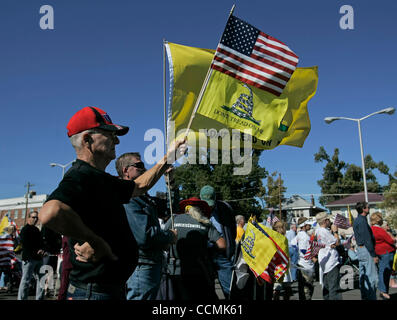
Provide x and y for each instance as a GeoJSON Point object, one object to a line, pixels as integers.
{"type": "Point", "coordinates": [63, 166]}
{"type": "Point", "coordinates": [328, 120]}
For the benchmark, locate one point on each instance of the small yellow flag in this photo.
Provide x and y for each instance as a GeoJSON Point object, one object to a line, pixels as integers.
{"type": "Point", "coordinates": [4, 223]}
{"type": "Point", "coordinates": [351, 219]}
{"type": "Point", "coordinates": [262, 246]}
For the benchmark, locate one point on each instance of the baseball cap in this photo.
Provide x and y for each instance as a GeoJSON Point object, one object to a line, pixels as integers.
{"type": "Point", "coordinates": [93, 117]}
{"type": "Point", "coordinates": [207, 193]}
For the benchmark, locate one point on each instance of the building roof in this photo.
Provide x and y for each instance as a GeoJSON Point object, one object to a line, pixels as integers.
{"type": "Point", "coordinates": [20, 202]}
{"type": "Point", "coordinates": [354, 198]}
{"type": "Point", "coordinates": [296, 202]}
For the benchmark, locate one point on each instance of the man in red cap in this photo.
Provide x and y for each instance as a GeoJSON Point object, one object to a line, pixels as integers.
{"type": "Point", "coordinates": [88, 207]}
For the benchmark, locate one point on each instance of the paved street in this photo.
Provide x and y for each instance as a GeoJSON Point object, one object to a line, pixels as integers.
{"type": "Point", "coordinates": [353, 294]}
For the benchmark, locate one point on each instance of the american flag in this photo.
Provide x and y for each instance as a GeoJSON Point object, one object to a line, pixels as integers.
{"type": "Point", "coordinates": [6, 249]}
{"type": "Point", "coordinates": [313, 250]}
{"type": "Point", "coordinates": [279, 263]}
{"type": "Point", "coordinates": [272, 219]}
{"type": "Point", "coordinates": [254, 57]}
{"type": "Point", "coordinates": [341, 222]}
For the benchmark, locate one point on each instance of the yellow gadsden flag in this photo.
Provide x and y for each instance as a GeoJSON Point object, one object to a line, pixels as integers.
{"type": "Point", "coordinates": [4, 223]}
{"type": "Point", "coordinates": [265, 251]}
{"type": "Point", "coordinates": [351, 219]}
{"type": "Point", "coordinates": [228, 103]}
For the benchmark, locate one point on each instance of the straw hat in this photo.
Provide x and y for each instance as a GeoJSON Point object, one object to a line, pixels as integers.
{"type": "Point", "coordinates": [320, 217]}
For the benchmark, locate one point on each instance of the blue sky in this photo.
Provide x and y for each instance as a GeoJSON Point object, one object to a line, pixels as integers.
{"type": "Point", "coordinates": [109, 54]}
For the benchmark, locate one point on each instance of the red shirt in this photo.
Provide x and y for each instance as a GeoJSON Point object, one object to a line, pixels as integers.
{"type": "Point", "coordinates": [384, 243]}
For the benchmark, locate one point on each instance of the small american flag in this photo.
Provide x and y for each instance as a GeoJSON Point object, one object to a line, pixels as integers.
{"type": "Point", "coordinates": [341, 222]}
{"type": "Point", "coordinates": [313, 250]}
{"type": "Point", "coordinates": [6, 250]}
{"type": "Point", "coordinates": [272, 219]}
{"type": "Point", "coordinates": [254, 57]}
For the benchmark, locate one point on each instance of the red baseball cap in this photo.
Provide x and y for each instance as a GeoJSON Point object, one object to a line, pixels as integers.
{"type": "Point", "coordinates": [93, 117]}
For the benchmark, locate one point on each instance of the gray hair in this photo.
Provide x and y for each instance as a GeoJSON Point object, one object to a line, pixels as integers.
{"type": "Point", "coordinates": [196, 214]}
{"type": "Point", "coordinates": [239, 218]}
{"type": "Point", "coordinates": [75, 139]}
{"type": "Point", "coordinates": [124, 160]}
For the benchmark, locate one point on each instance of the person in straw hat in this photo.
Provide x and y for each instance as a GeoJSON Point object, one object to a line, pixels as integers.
{"type": "Point", "coordinates": [328, 257]}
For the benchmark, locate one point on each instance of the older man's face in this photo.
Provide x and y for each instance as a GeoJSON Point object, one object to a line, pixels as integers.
{"type": "Point", "coordinates": [135, 168]}
{"type": "Point", "coordinates": [104, 144]}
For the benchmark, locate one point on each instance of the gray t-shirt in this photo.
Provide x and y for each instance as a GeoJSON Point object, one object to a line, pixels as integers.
{"type": "Point", "coordinates": [191, 249]}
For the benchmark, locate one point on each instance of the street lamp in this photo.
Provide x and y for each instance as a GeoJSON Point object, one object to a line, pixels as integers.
{"type": "Point", "coordinates": [328, 120]}
{"type": "Point", "coordinates": [63, 166]}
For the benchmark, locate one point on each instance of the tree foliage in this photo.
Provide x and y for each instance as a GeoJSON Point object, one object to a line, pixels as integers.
{"type": "Point", "coordinates": [239, 190]}
{"type": "Point", "coordinates": [390, 204]}
{"type": "Point", "coordinates": [332, 174]}
{"type": "Point", "coordinates": [275, 190]}
{"type": "Point", "coordinates": [344, 178]}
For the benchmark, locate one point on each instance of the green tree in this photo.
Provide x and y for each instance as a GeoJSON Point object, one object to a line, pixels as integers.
{"type": "Point", "coordinates": [331, 183]}
{"type": "Point", "coordinates": [275, 191]}
{"type": "Point", "coordinates": [390, 205]}
{"type": "Point", "coordinates": [241, 191]}
{"type": "Point", "coordinates": [344, 178]}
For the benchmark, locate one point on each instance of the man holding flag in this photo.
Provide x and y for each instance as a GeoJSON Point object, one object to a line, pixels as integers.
{"type": "Point", "coordinates": [328, 257]}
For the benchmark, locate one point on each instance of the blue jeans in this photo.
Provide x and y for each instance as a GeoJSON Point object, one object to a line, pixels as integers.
{"type": "Point", "coordinates": [75, 293]}
{"type": "Point", "coordinates": [5, 276]}
{"type": "Point", "coordinates": [294, 257]}
{"type": "Point", "coordinates": [144, 283]}
{"type": "Point", "coordinates": [385, 269]}
{"type": "Point", "coordinates": [331, 285]}
{"type": "Point", "coordinates": [31, 268]}
{"type": "Point", "coordinates": [225, 271]}
{"type": "Point", "coordinates": [368, 274]}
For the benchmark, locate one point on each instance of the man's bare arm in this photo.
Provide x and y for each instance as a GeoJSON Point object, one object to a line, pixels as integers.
{"type": "Point", "coordinates": [148, 179]}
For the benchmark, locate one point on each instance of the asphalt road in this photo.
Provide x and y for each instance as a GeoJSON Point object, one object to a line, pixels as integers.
{"type": "Point", "coordinates": [348, 294]}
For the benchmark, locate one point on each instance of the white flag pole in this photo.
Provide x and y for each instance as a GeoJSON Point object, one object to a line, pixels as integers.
{"type": "Point", "coordinates": [167, 176]}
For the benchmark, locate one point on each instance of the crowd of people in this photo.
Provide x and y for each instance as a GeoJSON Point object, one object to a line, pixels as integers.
{"type": "Point", "coordinates": [118, 242]}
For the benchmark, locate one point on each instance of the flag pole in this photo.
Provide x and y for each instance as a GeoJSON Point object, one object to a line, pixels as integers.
{"type": "Point", "coordinates": [167, 176]}
{"type": "Point", "coordinates": [203, 87]}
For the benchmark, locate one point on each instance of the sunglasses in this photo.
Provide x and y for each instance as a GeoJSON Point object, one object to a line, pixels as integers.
{"type": "Point", "coordinates": [138, 165]}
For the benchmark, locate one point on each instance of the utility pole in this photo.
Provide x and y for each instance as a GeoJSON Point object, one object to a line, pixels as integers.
{"type": "Point", "coordinates": [28, 185]}
{"type": "Point", "coordinates": [279, 195]}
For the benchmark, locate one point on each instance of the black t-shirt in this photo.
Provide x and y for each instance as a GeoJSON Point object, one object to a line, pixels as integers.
{"type": "Point", "coordinates": [31, 242]}
{"type": "Point", "coordinates": [98, 198]}
{"type": "Point", "coordinates": [51, 240]}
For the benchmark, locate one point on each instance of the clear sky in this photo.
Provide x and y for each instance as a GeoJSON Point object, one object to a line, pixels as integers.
{"type": "Point", "coordinates": [109, 54]}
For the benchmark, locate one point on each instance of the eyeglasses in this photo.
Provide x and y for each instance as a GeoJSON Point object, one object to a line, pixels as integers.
{"type": "Point", "coordinates": [138, 165]}
{"type": "Point", "coordinates": [34, 217]}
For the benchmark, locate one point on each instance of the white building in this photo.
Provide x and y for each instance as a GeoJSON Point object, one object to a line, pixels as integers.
{"type": "Point", "coordinates": [296, 207]}
{"type": "Point", "coordinates": [16, 208]}
{"type": "Point", "coordinates": [341, 206]}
